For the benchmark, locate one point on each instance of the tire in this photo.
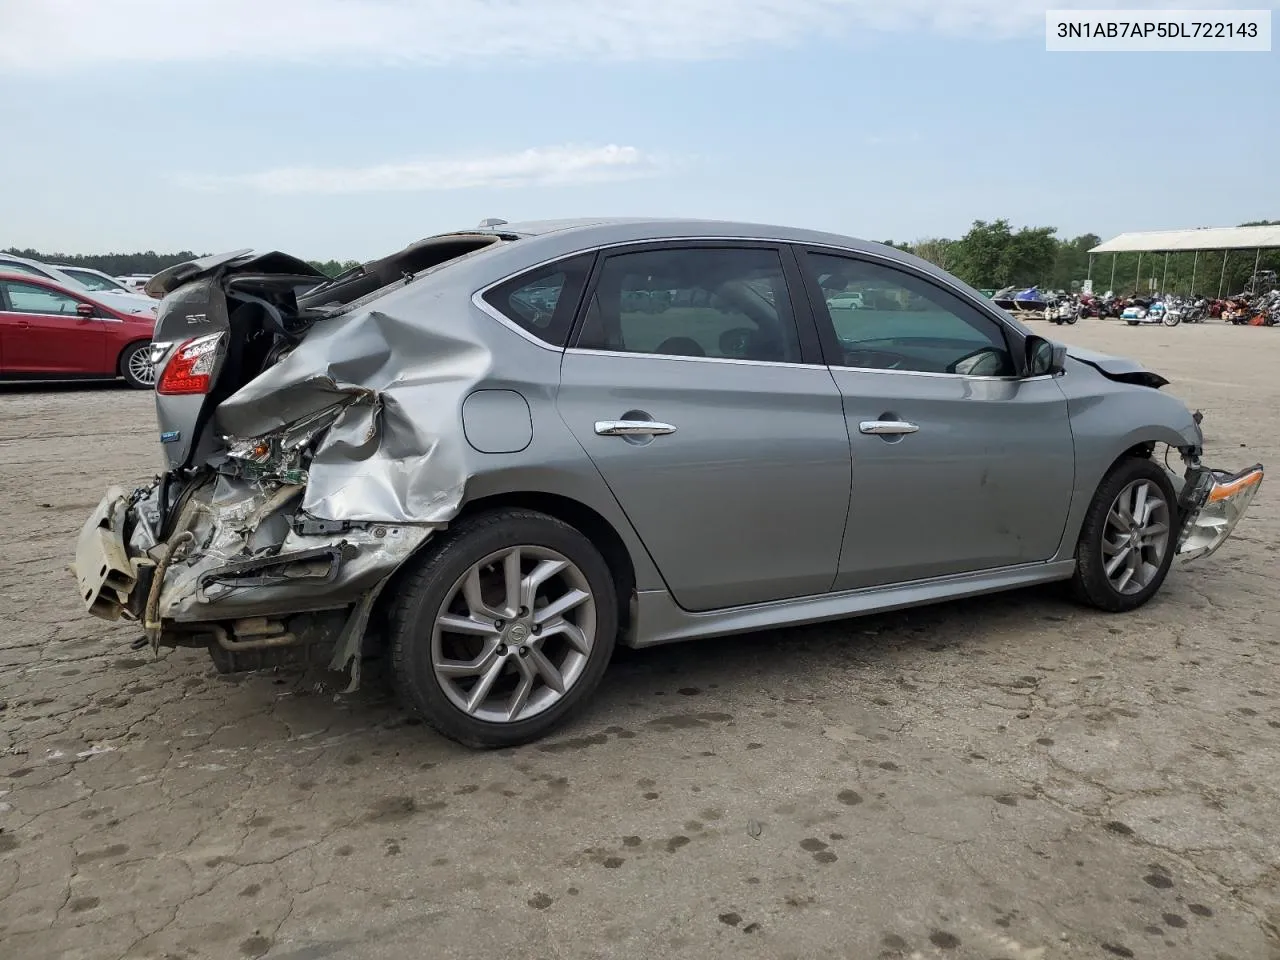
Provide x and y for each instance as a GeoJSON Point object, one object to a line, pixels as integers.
{"type": "Point", "coordinates": [501, 659]}
{"type": "Point", "coordinates": [1132, 323]}
{"type": "Point", "coordinates": [136, 367]}
{"type": "Point", "coordinates": [1172, 321]}
{"type": "Point", "coordinates": [1112, 592]}
{"type": "Point", "coordinates": [1071, 321]}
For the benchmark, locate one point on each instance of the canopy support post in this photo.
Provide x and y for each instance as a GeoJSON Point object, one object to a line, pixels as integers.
{"type": "Point", "coordinates": [1138, 279]}
{"type": "Point", "coordinates": [1223, 279]}
{"type": "Point", "coordinates": [1113, 270]}
{"type": "Point", "coordinates": [1164, 284]}
{"type": "Point", "coordinates": [1194, 263]}
{"type": "Point", "coordinates": [1257, 261]}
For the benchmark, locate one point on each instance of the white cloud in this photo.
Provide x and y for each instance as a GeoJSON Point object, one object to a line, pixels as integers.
{"type": "Point", "coordinates": [540, 166]}
{"type": "Point", "coordinates": [66, 35]}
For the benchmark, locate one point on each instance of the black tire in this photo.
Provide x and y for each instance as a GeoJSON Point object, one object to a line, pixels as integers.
{"type": "Point", "coordinates": [129, 366]}
{"type": "Point", "coordinates": [1090, 584]}
{"type": "Point", "coordinates": [424, 589]}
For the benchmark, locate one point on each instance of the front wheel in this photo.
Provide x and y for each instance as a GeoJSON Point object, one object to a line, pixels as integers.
{"type": "Point", "coordinates": [504, 629]}
{"type": "Point", "coordinates": [136, 367]}
{"type": "Point", "coordinates": [1128, 539]}
{"type": "Point", "coordinates": [1072, 320]}
{"type": "Point", "coordinates": [1172, 320]}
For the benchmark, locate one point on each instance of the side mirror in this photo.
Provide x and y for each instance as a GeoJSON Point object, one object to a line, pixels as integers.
{"type": "Point", "coordinates": [1045, 358]}
{"type": "Point", "coordinates": [86, 309]}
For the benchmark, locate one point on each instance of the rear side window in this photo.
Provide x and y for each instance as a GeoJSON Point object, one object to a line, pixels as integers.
{"type": "Point", "coordinates": [544, 300]}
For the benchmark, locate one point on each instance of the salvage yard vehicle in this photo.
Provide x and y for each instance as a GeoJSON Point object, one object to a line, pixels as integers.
{"type": "Point", "coordinates": [50, 332]}
{"type": "Point", "coordinates": [488, 457]}
{"type": "Point", "coordinates": [119, 301]}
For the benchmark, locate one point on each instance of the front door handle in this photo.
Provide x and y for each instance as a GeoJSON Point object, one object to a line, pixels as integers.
{"type": "Point", "coordinates": [887, 428]}
{"type": "Point", "coordinates": [633, 428]}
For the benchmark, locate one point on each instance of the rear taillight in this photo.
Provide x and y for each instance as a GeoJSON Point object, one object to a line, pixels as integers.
{"type": "Point", "coordinates": [190, 368]}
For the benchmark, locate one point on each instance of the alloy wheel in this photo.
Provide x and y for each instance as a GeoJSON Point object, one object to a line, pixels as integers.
{"type": "Point", "coordinates": [1136, 537]}
{"type": "Point", "coordinates": [514, 634]}
{"type": "Point", "coordinates": [141, 368]}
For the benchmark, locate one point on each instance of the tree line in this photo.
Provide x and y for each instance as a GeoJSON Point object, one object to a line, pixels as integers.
{"type": "Point", "coordinates": [148, 262]}
{"type": "Point", "coordinates": [991, 255]}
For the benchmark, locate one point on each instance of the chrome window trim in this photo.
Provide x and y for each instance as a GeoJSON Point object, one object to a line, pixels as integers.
{"type": "Point", "coordinates": [588, 351]}
{"type": "Point", "coordinates": [478, 300]}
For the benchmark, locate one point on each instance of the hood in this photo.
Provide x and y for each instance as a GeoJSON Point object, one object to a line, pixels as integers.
{"type": "Point", "coordinates": [1120, 369]}
{"type": "Point", "coordinates": [126, 302]}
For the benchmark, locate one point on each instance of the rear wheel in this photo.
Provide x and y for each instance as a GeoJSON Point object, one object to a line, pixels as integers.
{"type": "Point", "coordinates": [504, 629]}
{"type": "Point", "coordinates": [1128, 539]}
{"type": "Point", "coordinates": [136, 366]}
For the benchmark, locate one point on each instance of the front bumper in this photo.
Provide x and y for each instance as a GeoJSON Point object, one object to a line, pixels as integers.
{"type": "Point", "coordinates": [1213, 502]}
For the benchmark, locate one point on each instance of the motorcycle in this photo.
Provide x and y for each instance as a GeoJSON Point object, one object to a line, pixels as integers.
{"type": "Point", "coordinates": [1143, 311]}
{"type": "Point", "coordinates": [1065, 311]}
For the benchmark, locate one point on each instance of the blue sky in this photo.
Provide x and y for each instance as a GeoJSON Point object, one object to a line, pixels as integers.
{"type": "Point", "coordinates": [331, 128]}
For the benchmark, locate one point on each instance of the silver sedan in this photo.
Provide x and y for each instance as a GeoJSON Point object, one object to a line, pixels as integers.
{"type": "Point", "coordinates": [496, 454]}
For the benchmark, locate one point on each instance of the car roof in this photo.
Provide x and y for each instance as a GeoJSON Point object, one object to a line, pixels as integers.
{"type": "Point", "coordinates": [586, 233]}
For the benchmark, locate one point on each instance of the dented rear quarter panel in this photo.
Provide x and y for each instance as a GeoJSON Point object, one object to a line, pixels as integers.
{"type": "Point", "coordinates": [410, 358]}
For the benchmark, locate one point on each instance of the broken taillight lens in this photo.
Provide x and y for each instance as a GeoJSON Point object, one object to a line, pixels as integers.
{"type": "Point", "coordinates": [190, 368]}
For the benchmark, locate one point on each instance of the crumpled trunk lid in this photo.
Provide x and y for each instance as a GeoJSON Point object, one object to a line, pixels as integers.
{"type": "Point", "coordinates": [241, 310]}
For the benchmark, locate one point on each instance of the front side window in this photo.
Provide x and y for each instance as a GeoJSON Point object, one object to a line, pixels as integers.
{"type": "Point", "coordinates": [882, 318]}
{"type": "Point", "coordinates": [544, 300]}
{"type": "Point", "coordinates": [727, 303]}
{"type": "Point", "coordinates": [31, 298]}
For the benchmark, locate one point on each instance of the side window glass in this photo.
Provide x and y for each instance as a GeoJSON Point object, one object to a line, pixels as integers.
{"type": "Point", "coordinates": [700, 302]}
{"type": "Point", "coordinates": [9, 267]}
{"type": "Point", "coordinates": [886, 319]}
{"type": "Point", "coordinates": [544, 300]}
{"type": "Point", "coordinates": [30, 298]}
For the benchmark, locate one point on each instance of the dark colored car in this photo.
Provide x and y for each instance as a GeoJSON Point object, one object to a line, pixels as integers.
{"type": "Point", "coordinates": [48, 332]}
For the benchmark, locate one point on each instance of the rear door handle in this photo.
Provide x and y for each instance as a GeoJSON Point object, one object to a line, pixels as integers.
{"type": "Point", "coordinates": [633, 428]}
{"type": "Point", "coordinates": [887, 428]}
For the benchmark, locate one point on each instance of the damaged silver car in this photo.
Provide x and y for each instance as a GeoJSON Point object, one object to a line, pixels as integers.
{"type": "Point", "coordinates": [499, 452]}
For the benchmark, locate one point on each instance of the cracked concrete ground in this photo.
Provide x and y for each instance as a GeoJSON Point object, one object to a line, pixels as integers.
{"type": "Point", "coordinates": [1011, 777]}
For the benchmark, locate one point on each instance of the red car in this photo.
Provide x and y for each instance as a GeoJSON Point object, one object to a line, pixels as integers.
{"type": "Point", "coordinates": [50, 333]}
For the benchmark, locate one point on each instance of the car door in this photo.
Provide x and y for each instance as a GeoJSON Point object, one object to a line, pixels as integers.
{"type": "Point", "coordinates": [46, 334]}
{"type": "Point", "coordinates": [695, 386]}
{"type": "Point", "coordinates": [958, 464]}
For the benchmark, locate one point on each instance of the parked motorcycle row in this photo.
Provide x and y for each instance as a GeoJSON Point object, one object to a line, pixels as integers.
{"type": "Point", "coordinates": [1262, 310]}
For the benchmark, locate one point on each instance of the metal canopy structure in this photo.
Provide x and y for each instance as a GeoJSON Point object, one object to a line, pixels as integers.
{"type": "Point", "coordinates": [1196, 241]}
{"type": "Point", "coordinates": [1187, 241]}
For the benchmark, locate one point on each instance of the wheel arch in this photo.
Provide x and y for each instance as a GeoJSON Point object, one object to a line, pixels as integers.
{"type": "Point", "coordinates": [120, 354]}
{"type": "Point", "coordinates": [1139, 443]}
{"type": "Point", "coordinates": [587, 521]}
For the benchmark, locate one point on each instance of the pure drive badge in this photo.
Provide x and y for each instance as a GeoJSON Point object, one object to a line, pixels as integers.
{"type": "Point", "coordinates": [171, 436]}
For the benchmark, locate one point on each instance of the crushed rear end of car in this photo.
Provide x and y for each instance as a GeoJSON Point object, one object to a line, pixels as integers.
{"type": "Point", "coordinates": [289, 405]}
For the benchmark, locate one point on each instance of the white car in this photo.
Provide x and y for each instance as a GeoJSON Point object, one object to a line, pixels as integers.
{"type": "Point", "coordinates": [134, 281]}
{"type": "Point", "coordinates": [127, 302]}
{"type": "Point", "coordinates": [95, 280]}
{"type": "Point", "coordinates": [846, 301]}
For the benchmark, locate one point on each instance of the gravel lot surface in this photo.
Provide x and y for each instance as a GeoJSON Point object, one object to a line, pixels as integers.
{"type": "Point", "coordinates": [1011, 777]}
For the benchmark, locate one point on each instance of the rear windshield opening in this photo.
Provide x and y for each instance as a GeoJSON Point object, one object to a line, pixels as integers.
{"type": "Point", "coordinates": [413, 259]}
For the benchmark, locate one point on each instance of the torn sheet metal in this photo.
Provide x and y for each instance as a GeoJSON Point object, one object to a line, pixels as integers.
{"type": "Point", "coordinates": [394, 454]}
{"type": "Point", "coordinates": [246, 559]}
